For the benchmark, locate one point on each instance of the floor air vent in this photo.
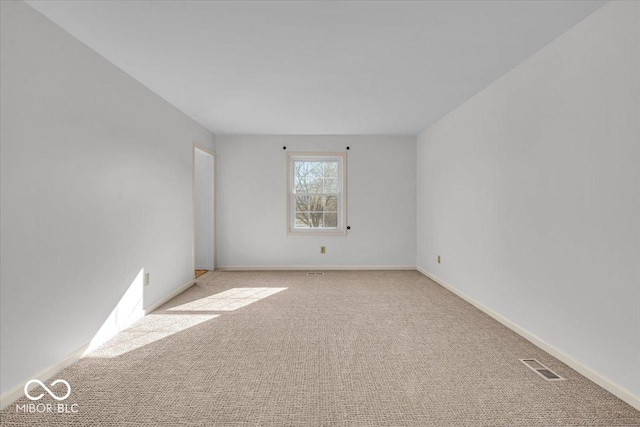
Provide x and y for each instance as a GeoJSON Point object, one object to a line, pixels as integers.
{"type": "Point", "coordinates": [541, 370]}
{"type": "Point", "coordinates": [314, 273]}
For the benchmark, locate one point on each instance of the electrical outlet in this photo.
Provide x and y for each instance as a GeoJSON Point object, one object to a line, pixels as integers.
{"type": "Point", "coordinates": [147, 280]}
{"type": "Point", "coordinates": [439, 259]}
{"type": "Point", "coordinates": [323, 250]}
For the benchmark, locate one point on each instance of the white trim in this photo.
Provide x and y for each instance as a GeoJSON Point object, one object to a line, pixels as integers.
{"type": "Point", "coordinates": [198, 146]}
{"type": "Point", "coordinates": [312, 267]}
{"type": "Point", "coordinates": [15, 393]}
{"type": "Point", "coordinates": [162, 301]}
{"type": "Point", "coordinates": [11, 395]}
{"type": "Point", "coordinates": [612, 387]}
{"type": "Point", "coordinates": [341, 230]}
{"type": "Point", "coordinates": [604, 382]}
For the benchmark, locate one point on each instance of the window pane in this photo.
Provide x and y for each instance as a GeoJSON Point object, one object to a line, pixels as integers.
{"type": "Point", "coordinates": [331, 203]}
{"type": "Point", "coordinates": [330, 185]}
{"type": "Point", "coordinates": [316, 203]}
{"type": "Point", "coordinates": [309, 220]}
{"type": "Point", "coordinates": [308, 177]}
{"type": "Point", "coordinates": [331, 169]}
{"type": "Point", "coordinates": [331, 220]}
{"type": "Point", "coordinates": [315, 177]}
{"type": "Point", "coordinates": [302, 220]}
{"type": "Point", "coordinates": [300, 171]}
{"type": "Point", "coordinates": [316, 219]}
{"type": "Point", "coordinates": [302, 203]}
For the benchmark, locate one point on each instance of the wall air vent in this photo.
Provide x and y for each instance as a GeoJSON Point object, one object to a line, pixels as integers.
{"type": "Point", "coordinates": [314, 273]}
{"type": "Point", "coordinates": [541, 370]}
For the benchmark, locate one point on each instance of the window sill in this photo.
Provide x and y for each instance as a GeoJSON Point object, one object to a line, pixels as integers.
{"type": "Point", "coordinates": [317, 233]}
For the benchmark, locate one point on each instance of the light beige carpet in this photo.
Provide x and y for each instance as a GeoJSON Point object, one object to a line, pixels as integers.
{"type": "Point", "coordinates": [343, 348]}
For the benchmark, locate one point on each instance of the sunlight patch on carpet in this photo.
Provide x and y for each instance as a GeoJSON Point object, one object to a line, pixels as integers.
{"type": "Point", "coordinates": [228, 300]}
{"type": "Point", "coordinates": [150, 329]}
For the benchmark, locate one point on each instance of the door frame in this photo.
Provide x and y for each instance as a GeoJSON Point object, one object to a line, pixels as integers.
{"type": "Point", "coordinates": [198, 146]}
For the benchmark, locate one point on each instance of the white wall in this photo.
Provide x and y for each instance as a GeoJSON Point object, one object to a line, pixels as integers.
{"type": "Point", "coordinates": [251, 174]}
{"type": "Point", "coordinates": [530, 191]}
{"type": "Point", "coordinates": [204, 228]}
{"type": "Point", "coordinates": [96, 185]}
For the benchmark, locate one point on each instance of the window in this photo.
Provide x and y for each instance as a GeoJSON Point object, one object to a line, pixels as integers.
{"type": "Point", "coordinates": [316, 193]}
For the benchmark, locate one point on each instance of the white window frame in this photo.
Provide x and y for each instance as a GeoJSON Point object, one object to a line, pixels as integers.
{"type": "Point", "coordinates": [341, 229]}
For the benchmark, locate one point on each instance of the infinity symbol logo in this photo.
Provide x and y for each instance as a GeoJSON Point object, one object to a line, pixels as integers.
{"type": "Point", "coordinates": [52, 394]}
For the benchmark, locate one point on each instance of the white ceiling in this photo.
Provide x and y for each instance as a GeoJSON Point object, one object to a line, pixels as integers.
{"type": "Point", "coordinates": [316, 67]}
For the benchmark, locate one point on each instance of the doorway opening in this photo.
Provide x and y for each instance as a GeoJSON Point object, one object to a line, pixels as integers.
{"type": "Point", "coordinates": [204, 211]}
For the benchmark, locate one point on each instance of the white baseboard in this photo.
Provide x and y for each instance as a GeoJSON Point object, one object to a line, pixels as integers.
{"type": "Point", "coordinates": [11, 395]}
{"type": "Point", "coordinates": [169, 297]}
{"type": "Point", "coordinates": [312, 267]}
{"type": "Point", "coordinates": [604, 382]}
{"type": "Point", "coordinates": [17, 392]}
